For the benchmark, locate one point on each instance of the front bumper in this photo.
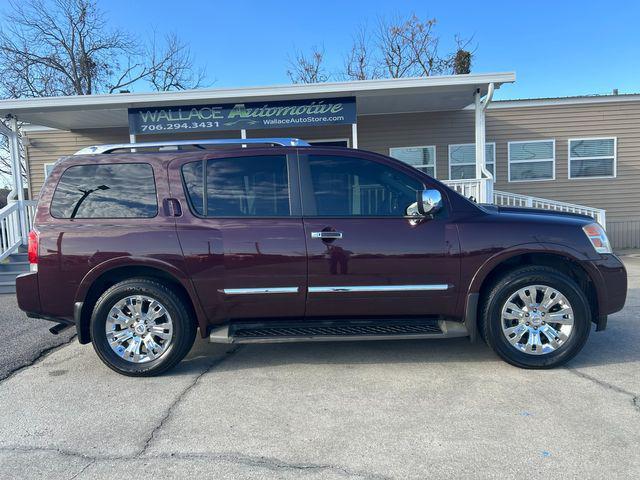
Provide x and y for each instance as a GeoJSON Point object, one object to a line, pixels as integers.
{"type": "Point", "coordinates": [610, 280]}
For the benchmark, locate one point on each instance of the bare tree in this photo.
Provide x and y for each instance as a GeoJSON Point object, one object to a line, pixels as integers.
{"type": "Point", "coordinates": [308, 68]}
{"type": "Point", "coordinates": [404, 47]}
{"type": "Point", "coordinates": [174, 62]}
{"type": "Point", "coordinates": [360, 64]}
{"type": "Point", "coordinates": [66, 47]}
{"type": "Point", "coordinates": [460, 62]}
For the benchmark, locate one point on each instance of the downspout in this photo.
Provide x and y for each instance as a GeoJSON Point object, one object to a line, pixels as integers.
{"type": "Point", "coordinates": [485, 103]}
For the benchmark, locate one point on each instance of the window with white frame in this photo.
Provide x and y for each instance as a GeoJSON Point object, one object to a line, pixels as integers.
{"type": "Point", "coordinates": [48, 167]}
{"type": "Point", "coordinates": [592, 157]}
{"type": "Point", "coordinates": [423, 158]}
{"type": "Point", "coordinates": [532, 160]}
{"type": "Point", "coordinates": [462, 160]}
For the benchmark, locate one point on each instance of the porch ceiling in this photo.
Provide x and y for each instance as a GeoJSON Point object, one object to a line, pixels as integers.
{"type": "Point", "coordinates": [452, 92]}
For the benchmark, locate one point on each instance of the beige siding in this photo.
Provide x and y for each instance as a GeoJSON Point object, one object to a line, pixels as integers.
{"type": "Point", "coordinates": [379, 133]}
{"type": "Point", "coordinates": [620, 196]}
{"type": "Point", "coordinates": [48, 145]}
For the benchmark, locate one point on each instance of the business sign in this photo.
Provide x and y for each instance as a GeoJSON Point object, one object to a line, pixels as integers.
{"type": "Point", "coordinates": [238, 116]}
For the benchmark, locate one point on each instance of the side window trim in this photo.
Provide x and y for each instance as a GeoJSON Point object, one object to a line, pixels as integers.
{"type": "Point", "coordinates": [293, 174]}
{"type": "Point", "coordinates": [306, 187]}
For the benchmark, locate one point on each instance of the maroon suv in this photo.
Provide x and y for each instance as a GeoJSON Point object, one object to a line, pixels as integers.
{"type": "Point", "coordinates": [277, 241]}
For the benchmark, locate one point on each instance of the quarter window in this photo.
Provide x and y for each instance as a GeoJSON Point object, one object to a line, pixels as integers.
{"type": "Point", "coordinates": [117, 190]}
{"type": "Point", "coordinates": [532, 160]}
{"type": "Point", "coordinates": [422, 158]}
{"type": "Point", "coordinates": [592, 157]}
{"type": "Point", "coordinates": [351, 186]}
{"type": "Point", "coordinates": [252, 186]}
{"type": "Point", "coordinates": [462, 160]}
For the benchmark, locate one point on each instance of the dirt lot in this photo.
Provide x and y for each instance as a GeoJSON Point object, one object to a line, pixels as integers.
{"type": "Point", "coordinates": [418, 409]}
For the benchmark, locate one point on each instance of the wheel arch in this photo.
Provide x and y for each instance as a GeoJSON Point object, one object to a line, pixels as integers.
{"type": "Point", "coordinates": [107, 274]}
{"type": "Point", "coordinates": [571, 263]}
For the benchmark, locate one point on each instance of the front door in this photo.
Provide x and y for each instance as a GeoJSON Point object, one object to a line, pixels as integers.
{"type": "Point", "coordinates": [365, 258]}
{"type": "Point", "coordinates": [242, 236]}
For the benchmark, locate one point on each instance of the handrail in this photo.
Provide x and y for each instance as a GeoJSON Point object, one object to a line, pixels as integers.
{"type": "Point", "coordinates": [283, 142]}
{"type": "Point", "coordinates": [519, 200]}
{"type": "Point", "coordinates": [471, 188]}
{"type": "Point", "coordinates": [10, 232]}
{"type": "Point", "coordinates": [10, 236]}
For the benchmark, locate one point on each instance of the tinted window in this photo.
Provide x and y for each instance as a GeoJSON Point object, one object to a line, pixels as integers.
{"type": "Point", "coordinates": [349, 186]}
{"type": "Point", "coordinates": [255, 186]}
{"type": "Point", "coordinates": [119, 190]}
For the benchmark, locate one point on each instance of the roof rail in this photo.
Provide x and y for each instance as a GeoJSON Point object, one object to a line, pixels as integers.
{"type": "Point", "coordinates": [283, 142]}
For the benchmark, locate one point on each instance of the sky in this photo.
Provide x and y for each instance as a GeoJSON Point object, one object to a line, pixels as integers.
{"type": "Point", "coordinates": [556, 48]}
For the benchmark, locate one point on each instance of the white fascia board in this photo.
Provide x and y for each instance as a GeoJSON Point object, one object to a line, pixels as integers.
{"type": "Point", "coordinates": [125, 100]}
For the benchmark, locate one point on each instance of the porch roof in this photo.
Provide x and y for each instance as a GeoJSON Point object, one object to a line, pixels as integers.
{"type": "Point", "coordinates": [425, 94]}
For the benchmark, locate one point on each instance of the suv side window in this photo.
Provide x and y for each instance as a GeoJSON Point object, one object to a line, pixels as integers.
{"type": "Point", "coordinates": [351, 186]}
{"type": "Point", "coordinates": [252, 186]}
{"type": "Point", "coordinates": [117, 190]}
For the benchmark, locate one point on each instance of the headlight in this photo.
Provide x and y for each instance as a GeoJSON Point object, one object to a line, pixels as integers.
{"type": "Point", "coordinates": [598, 237]}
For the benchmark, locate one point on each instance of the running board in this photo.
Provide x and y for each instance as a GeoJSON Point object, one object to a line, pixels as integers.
{"type": "Point", "coordinates": [345, 330]}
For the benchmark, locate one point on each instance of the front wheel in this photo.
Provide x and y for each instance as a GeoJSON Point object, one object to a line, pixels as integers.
{"type": "Point", "coordinates": [536, 317]}
{"type": "Point", "coordinates": [140, 327]}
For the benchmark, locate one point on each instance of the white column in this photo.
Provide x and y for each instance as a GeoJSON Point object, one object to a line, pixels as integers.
{"type": "Point", "coordinates": [16, 176]}
{"type": "Point", "coordinates": [354, 135]}
{"type": "Point", "coordinates": [243, 134]}
{"type": "Point", "coordinates": [480, 146]}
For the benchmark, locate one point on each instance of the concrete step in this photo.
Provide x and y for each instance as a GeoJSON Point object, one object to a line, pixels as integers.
{"type": "Point", "coordinates": [7, 287]}
{"type": "Point", "coordinates": [14, 267]}
{"type": "Point", "coordinates": [17, 257]}
{"type": "Point", "coordinates": [8, 277]}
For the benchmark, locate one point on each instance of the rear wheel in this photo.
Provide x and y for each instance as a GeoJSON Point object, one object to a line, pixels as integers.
{"type": "Point", "coordinates": [140, 327]}
{"type": "Point", "coordinates": [536, 317]}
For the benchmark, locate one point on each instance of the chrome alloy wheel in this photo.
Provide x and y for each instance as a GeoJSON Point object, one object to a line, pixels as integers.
{"type": "Point", "coordinates": [139, 329]}
{"type": "Point", "coordinates": [537, 319]}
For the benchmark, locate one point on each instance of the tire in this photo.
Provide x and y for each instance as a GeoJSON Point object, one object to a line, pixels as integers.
{"type": "Point", "coordinates": [173, 323]}
{"type": "Point", "coordinates": [535, 281]}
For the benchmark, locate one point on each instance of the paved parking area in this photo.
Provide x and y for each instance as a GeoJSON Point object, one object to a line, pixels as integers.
{"type": "Point", "coordinates": [375, 410]}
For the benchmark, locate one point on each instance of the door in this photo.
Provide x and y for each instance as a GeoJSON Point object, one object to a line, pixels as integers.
{"type": "Point", "coordinates": [365, 257]}
{"type": "Point", "coordinates": [242, 235]}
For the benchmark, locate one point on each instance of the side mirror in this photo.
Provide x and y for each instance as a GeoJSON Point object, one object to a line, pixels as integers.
{"type": "Point", "coordinates": [429, 201]}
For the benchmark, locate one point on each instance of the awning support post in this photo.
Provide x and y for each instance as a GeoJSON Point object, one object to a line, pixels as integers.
{"type": "Point", "coordinates": [354, 135]}
{"type": "Point", "coordinates": [482, 174]}
{"type": "Point", "coordinates": [17, 187]}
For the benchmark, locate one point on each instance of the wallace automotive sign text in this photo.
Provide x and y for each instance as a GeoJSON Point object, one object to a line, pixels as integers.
{"type": "Point", "coordinates": [237, 116]}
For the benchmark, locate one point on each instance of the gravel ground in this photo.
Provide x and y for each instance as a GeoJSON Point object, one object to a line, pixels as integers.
{"type": "Point", "coordinates": [371, 410]}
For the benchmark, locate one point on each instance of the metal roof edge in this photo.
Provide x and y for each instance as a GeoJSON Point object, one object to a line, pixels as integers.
{"type": "Point", "coordinates": [541, 102]}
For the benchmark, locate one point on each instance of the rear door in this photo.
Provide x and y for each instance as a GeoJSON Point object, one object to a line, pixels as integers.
{"type": "Point", "coordinates": [241, 232]}
{"type": "Point", "coordinates": [365, 257]}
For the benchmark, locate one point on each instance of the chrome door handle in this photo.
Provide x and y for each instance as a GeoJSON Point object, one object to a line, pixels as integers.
{"type": "Point", "coordinates": [326, 235]}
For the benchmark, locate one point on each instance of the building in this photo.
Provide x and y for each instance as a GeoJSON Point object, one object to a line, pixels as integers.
{"type": "Point", "coordinates": [577, 154]}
